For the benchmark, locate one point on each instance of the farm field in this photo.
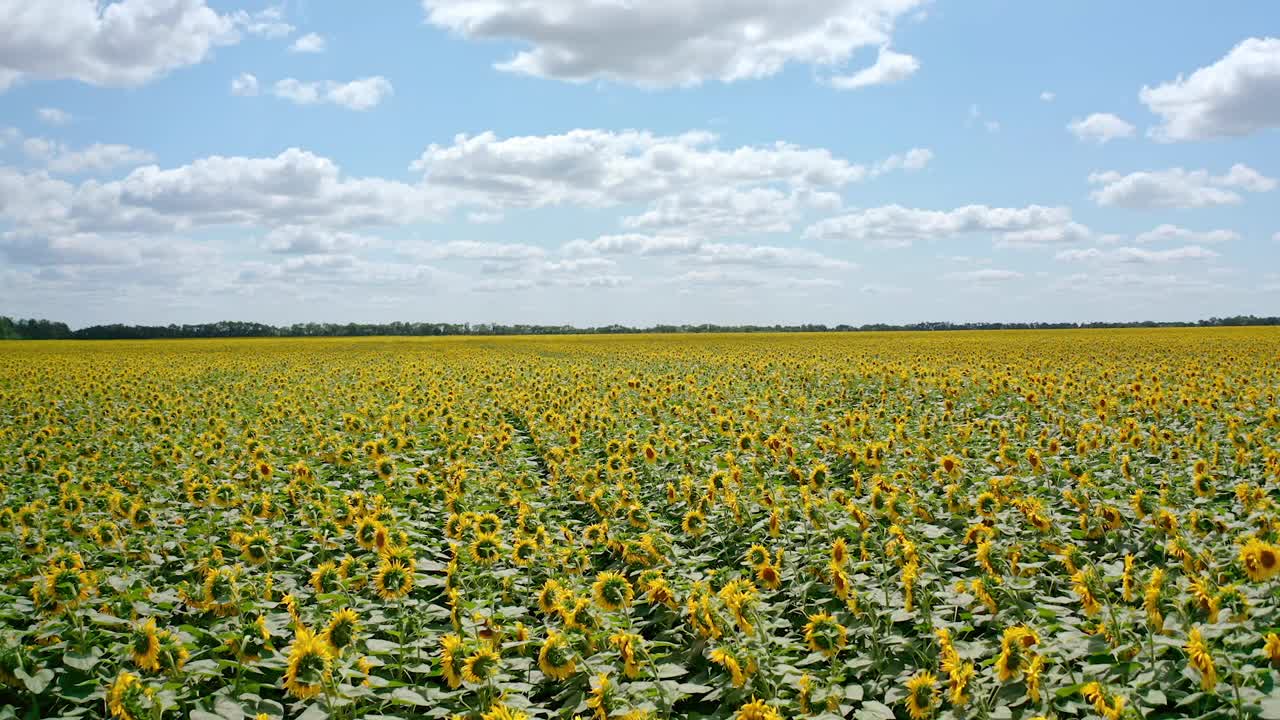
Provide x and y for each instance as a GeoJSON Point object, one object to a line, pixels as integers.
{"type": "Point", "coordinates": [899, 525]}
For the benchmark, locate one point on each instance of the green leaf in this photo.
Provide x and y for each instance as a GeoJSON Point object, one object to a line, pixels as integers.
{"type": "Point", "coordinates": [408, 697]}
{"type": "Point", "coordinates": [872, 710]}
{"type": "Point", "coordinates": [37, 683]}
{"type": "Point", "coordinates": [82, 661]}
{"type": "Point", "coordinates": [670, 670]}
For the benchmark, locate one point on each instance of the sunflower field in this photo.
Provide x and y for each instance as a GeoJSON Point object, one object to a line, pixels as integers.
{"type": "Point", "coordinates": [1059, 524]}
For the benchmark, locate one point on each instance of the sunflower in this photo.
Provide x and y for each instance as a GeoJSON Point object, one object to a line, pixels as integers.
{"type": "Point", "coordinates": [128, 698]}
{"type": "Point", "coordinates": [922, 695]}
{"type": "Point", "coordinates": [694, 523]}
{"type": "Point", "coordinates": [393, 580]}
{"type": "Point", "coordinates": [1013, 658]}
{"type": "Point", "coordinates": [1261, 560]}
{"type": "Point", "coordinates": [612, 591]}
{"type": "Point", "coordinates": [598, 700]}
{"type": "Point", "coordinates": [67, 587]}
{"type": "Point", "coordinates": [824, 635]}
{"type": "Point", "coordinates": [256, 547]}
{"type": "Point", "coordinates": [1199, 659]}
{"type": "Point", "coordinates": [1272, 648]}
{"type": "Point", "coordinates": [221, 591]}
{"type": "Point", "coordinates": [757, 710]}
{"type": "Point", "coordinates": [628, 645]}
{"type": "Point", "coordinates": [556, 659]}
{"type": "Point", "coordinates": [769, 575]}
{"type": "Point", "coordinates": [144, 646]}
{"type": "Point", "coordinates": [326, 578]}
{"type": "Point", "coordinates": [725, 659]}
{"type": "Point", "coordinates": [308, 665]}
{"type": "Point", "coordinates": [950, 464]}
{"type": "Point", "coordinates": [549, 596]}
{"type": "Point", "coordinates": [499, 711]}
{"type": "Point", "coordinates": [524, 551]}
{"type": "Point", "coordinates": [452, 654]}
{"type": "Point", "coordinates": [480, 665]}
{"type": "Point", "coordinates": [367, 531]}
{"type": "Point", "coordinates": [341, 631]}
{"type": "Point", "coordinates": [757, 555]}
{"type": "Point", "coordinates": [485, 549]}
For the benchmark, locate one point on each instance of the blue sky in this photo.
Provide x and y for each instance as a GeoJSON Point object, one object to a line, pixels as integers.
{"type": "Point", "coordinates": [597, 161]}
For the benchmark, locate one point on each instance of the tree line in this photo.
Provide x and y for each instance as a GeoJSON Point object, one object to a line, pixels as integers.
{"type": "Point", "coordinates": [33, 329]}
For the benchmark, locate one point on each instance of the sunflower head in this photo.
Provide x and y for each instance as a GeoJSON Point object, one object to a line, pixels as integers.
{"type": "Point", "coordinates": [481, 665]}
{"type": "Point", "coordinates": [393, 580]}
{"type": "Point", "coordinates": [556, 659]}
{"type": "Point", "coordinates": [341, 631]}
{"type": "Point", "coordinates": [612, 591]}
{"type": "Point", "coordinates": [824, 635]}
{"type": "Point", "coordinates": [308, 666]}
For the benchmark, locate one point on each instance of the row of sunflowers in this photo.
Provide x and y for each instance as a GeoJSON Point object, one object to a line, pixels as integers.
{"type": "Point", "coordinates": [939, 525]}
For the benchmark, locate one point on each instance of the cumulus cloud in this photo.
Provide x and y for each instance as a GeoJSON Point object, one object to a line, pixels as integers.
{"type": "Point", "coordinates": [1176, 188]}
{"type": "Point", "coordinates": [599, 168]}
{"type": "Point", "coordinates": [730, 211]}
{"type": "Point", "coordinates": [662, 43]}
{"type": "Point", "coordinates": [987, 276]}
{"type": "Point", "coordinates": [1168, 232]}
{"type": "Point", "coordinates": [244, 84]}
{"type": "Point", "coordinates": [890, 67]}
{"type": "Point", "coordinates": [60, 159]}
{"type": "Point", "coordinates": [361, 94]}
{"type": "Point", "coordinates": [767, 257]}
{"type": "Point", "coordinates": [634, 244]}
{"type": "Point", "coordinates": [472, 250]}
{"type": "Point", "coordinates": [268, 22]}
{"type": "Point", "coordinates": [1100, 128]}
{"type": "Point", "coordinates": [119, 44]}
{"type": "Point", "coordinates": [1047, 96]}
{"type": "Point", "coordinates": [745, 279]}
{"type": "Point", "coordinates": [53, 116]}
{"type": "Point", "coordinates": [897, 226]}
{"type": "Point", "coordinates": [1139, 256]}
{"type": "Point", "coordinates": [1232, 97]}
{"type": "Point", "coordinates": [306, 240]}
{"type": "Point", "coordinates": [309, 43]}
{"type": "Point", "coordinates": [293, 188]}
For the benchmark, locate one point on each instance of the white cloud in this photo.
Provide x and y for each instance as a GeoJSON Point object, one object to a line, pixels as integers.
{"type": "Point", "coordinates": [987, 276]}
{"type": "Point", "coordinates": [890, 67]}
{"type": "Point", "coordinates": [309, 43]}
{"type": "Point", "coordinates": [306, 240]}
{"type": "Point", "coordinates": [897, 226]}
{"type": "Point", "coordinates": [1176, 188]}
{"type": "Point", "coordinates": [661, 43]}
{"type": "Point", "coordinates": [1047, 96]}
{"type": "Point", "coordinates": [634, 244]}
{"type": "Point", "coordinates": [361, 94]}
{"type": "Point", "coordinates": [1167, 232]}
{"type": "Point", "coordinates": [598, 168]}
{"type": "Point", "coordinates": [293, 188]}
{"type": "Point", "coordinates": [733, 279]}
{"type": "Point", "coordinates": [768, 257]}
{"type": "Point", "coordinates": [730, 211]}
{"type": "Point", "coordinates": [472, 250]}
{"type": "Point", "coordinates": [119, 44]}
{"type": "Point", "coordinates": [1276, 237]}
{"type": "Point", "coordinates": [1232, 97]}
{"type": "Point", "coordinates": [53, 116]}
{"type": "Point", "coordinates": [267, 23]}
{"type": "Point", "coordinates": [914, 159]}
{"type": "Point", "coordinates": [244, 84]}
{"type": "Point", "coordinates": [976, 116]}
{"type": "Point", "coordinates": [1139, 256]}
{"type": "Point", "coordinates": [99, 157]}
{"type": "Point", "coordinates": [706, 253]}
{"type": "Point", "coordinates": [1100, 128]}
